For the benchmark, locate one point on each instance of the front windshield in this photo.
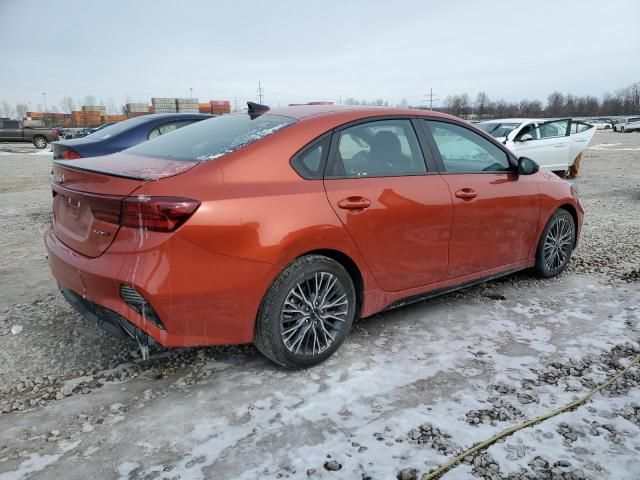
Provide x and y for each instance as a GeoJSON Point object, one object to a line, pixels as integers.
{"type": "Point", "coordinates": [115, 129]}
{"type": "Point", "coordinates": [498, 129]}
{"type": "Point", "coordinates": [212, 138]}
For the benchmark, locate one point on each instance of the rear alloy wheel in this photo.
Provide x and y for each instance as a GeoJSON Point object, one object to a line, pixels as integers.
{"type": "Point", "coordinates": [307, 312]}
{"type": "Point", "coordinates": [556, 244]}
{"type": "Point", "coordinates": [40, 142]}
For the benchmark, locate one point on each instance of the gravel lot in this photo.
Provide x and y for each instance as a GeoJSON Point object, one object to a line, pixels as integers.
{"type": "Point", "coordinates": [408, 390]}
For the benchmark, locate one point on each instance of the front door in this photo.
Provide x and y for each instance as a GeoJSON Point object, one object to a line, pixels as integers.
{"type": "Point", "coordinates": [495, 210]}
{"type": "Point", "coordinates": [397, 213]}
{"type": "Point", "coordinates": [548, 144]}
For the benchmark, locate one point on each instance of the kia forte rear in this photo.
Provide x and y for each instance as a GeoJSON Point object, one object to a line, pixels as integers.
{"type": "Point", "coordinates": [279, 227]}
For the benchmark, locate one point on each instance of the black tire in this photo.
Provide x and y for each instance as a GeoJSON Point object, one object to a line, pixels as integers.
{"type": "Point", "coordinates": [270, 331]}
{"type": "Point", "coordinates": [40, 142]}
{"type": "Point", "coordinates": [561, 173]}
{"type": "Point", "coordinates": [562, 227]}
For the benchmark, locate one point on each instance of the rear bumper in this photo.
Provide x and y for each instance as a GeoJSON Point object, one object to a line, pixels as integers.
{"type": "Point", "coordinates": [200, 297]}
{"type": "Point", "coordinates": [104, 318]}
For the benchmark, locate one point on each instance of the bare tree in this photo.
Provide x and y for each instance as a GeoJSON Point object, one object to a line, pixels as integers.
{"type": "Point", "coordinates": [21, 110]}
{"type": "Point", "coordinates": [111, 107]}
{"type": "Point", "coordinates": [67, 104]}
{"type": "Point", "coordinates": [7, 109]}
{"type": "Point", "coordinates": [555, 104]}
{"type": "Point", "coordinates": [89, 100]}
{"type": "Point", "coordinates": [482, 104]}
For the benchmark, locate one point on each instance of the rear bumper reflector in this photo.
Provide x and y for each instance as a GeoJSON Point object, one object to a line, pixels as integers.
{"type": "Point", "coordinates": [137, 302]}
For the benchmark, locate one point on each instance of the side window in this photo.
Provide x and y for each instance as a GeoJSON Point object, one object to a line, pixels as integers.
{"type": "Point", "coordinates": [554, 129]}
{"type": "Point", "coordinates": [579, 127]}
{"type": "Point", "coordinates": [168, 127]}
{"type": "Point", "coordinates": [309, 163]}
{"type": "Point", "coordinates": [464, 151]}
{"type": "Point", "coordinates": [10, 124]}
{"type": "Point", "coordinates": [529, 130]}
{"type": "Point", "coordinates": [378, 148]}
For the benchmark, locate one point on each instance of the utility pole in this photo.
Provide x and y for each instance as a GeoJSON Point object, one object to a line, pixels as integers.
{"type": "Point", "coordinates": [44, 97]}
{"type": "Point", "coordinates": [431, 97]}
{"type": "Point", "coordinates": [235, 104]}
{"type": "Point", "coordinates": [190, 92]}
{"type": "Point", "coordinates": [260, 92]}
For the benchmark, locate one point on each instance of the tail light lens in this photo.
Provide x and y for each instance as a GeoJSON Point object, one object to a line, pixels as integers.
{"type": "Point", "coordinates": [70, 154]}
{"type": "Point", "coordinates": [159, 214]}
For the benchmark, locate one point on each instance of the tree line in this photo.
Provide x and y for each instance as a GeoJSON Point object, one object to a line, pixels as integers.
{"type": "Point", "coordinates": [625, 101]}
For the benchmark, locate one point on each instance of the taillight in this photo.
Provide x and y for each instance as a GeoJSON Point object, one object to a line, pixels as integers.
{"type": "Point", "coordinates": [70, 154]}
{"type": "Point", "coordinates": [159, 214]}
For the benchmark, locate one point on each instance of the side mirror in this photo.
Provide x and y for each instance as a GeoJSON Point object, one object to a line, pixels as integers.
{"type": "Point", "coordinates": [526, 166]}
{"type": "Point", "coordinates": [526, 137]}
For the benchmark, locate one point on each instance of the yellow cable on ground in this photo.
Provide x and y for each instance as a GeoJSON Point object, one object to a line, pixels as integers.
{"type": "Point", "coordinates": [482, 445]}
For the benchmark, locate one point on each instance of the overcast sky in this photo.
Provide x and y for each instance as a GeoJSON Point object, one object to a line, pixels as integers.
{"type": "Point", "coordinates": [314, 50]}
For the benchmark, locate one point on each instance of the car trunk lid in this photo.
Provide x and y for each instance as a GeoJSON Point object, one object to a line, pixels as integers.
{"type": "Point", "coordinates": [88, 196]}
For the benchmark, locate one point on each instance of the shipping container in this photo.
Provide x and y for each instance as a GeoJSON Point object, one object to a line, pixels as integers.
{"type": "Point", "coordinates": [94, 108]}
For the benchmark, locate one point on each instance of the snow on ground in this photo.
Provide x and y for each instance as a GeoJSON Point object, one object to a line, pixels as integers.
{"type": "Point", "coordinates": [436, 364]}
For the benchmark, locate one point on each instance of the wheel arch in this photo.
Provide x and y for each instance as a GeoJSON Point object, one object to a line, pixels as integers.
{"type": "Point", "coordinates": [574, 214]}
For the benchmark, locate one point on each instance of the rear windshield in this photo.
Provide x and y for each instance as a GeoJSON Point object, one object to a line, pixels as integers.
{"type": "Point", "coordinates": [212, 138]}
{"type": "Point", "coordinates": [116, 128]}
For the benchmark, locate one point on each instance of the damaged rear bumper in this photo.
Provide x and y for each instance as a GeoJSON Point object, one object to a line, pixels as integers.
{"type": "Point", "coordinates": [106, 319]}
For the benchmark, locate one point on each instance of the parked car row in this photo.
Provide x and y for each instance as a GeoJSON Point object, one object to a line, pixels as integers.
{"type": "Point", "coordinates": [280, 227]}
{"type": "Point", "coordinates": [552, 144]}
{"type": "Point", "coordinates": [628, 125]}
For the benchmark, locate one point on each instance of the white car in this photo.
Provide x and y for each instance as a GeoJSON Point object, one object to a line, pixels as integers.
{"type": "Point", "coordinates": [552, 144]}
{"type": "Point", "coordinates": [599, 123]}
{"type": "Point", "coordinates": [628, 125]}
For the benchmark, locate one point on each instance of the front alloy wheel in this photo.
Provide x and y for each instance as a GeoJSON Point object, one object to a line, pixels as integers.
{"type": "Point", "coordinates": [307, 312]}
{"type": "Point", "coordinates": [556, 244]}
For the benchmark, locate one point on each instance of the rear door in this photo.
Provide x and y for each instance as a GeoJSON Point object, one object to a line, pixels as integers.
{"type": "Point", "coordinates": [495, 211]}
{"type": "Point", "coordinates": [548, 144]}
{"type": "Point", "coordinates": [397, 212]}
{"type": "Point", "coordinates": [581, 135]}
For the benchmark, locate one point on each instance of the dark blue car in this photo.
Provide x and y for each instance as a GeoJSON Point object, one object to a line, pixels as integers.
{"type": "Point", "coordinates": [122, 135]}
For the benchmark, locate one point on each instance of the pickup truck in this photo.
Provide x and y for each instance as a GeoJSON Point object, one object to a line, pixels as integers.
{"type": "Point", "coordinates": [13, 131]}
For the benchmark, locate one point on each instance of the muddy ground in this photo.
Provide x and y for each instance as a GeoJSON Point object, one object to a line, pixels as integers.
{"type": "Point", "coordinates": [408, 390]}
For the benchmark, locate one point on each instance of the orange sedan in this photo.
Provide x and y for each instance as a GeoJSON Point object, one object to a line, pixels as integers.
{"type": "Point", "coordinates": [280, 226]}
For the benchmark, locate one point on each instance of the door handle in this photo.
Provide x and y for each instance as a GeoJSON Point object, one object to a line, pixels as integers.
{"type": "Point", "coordinates": [354, 203]}
{"type": "Point", "coordinates": [466, 194]}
